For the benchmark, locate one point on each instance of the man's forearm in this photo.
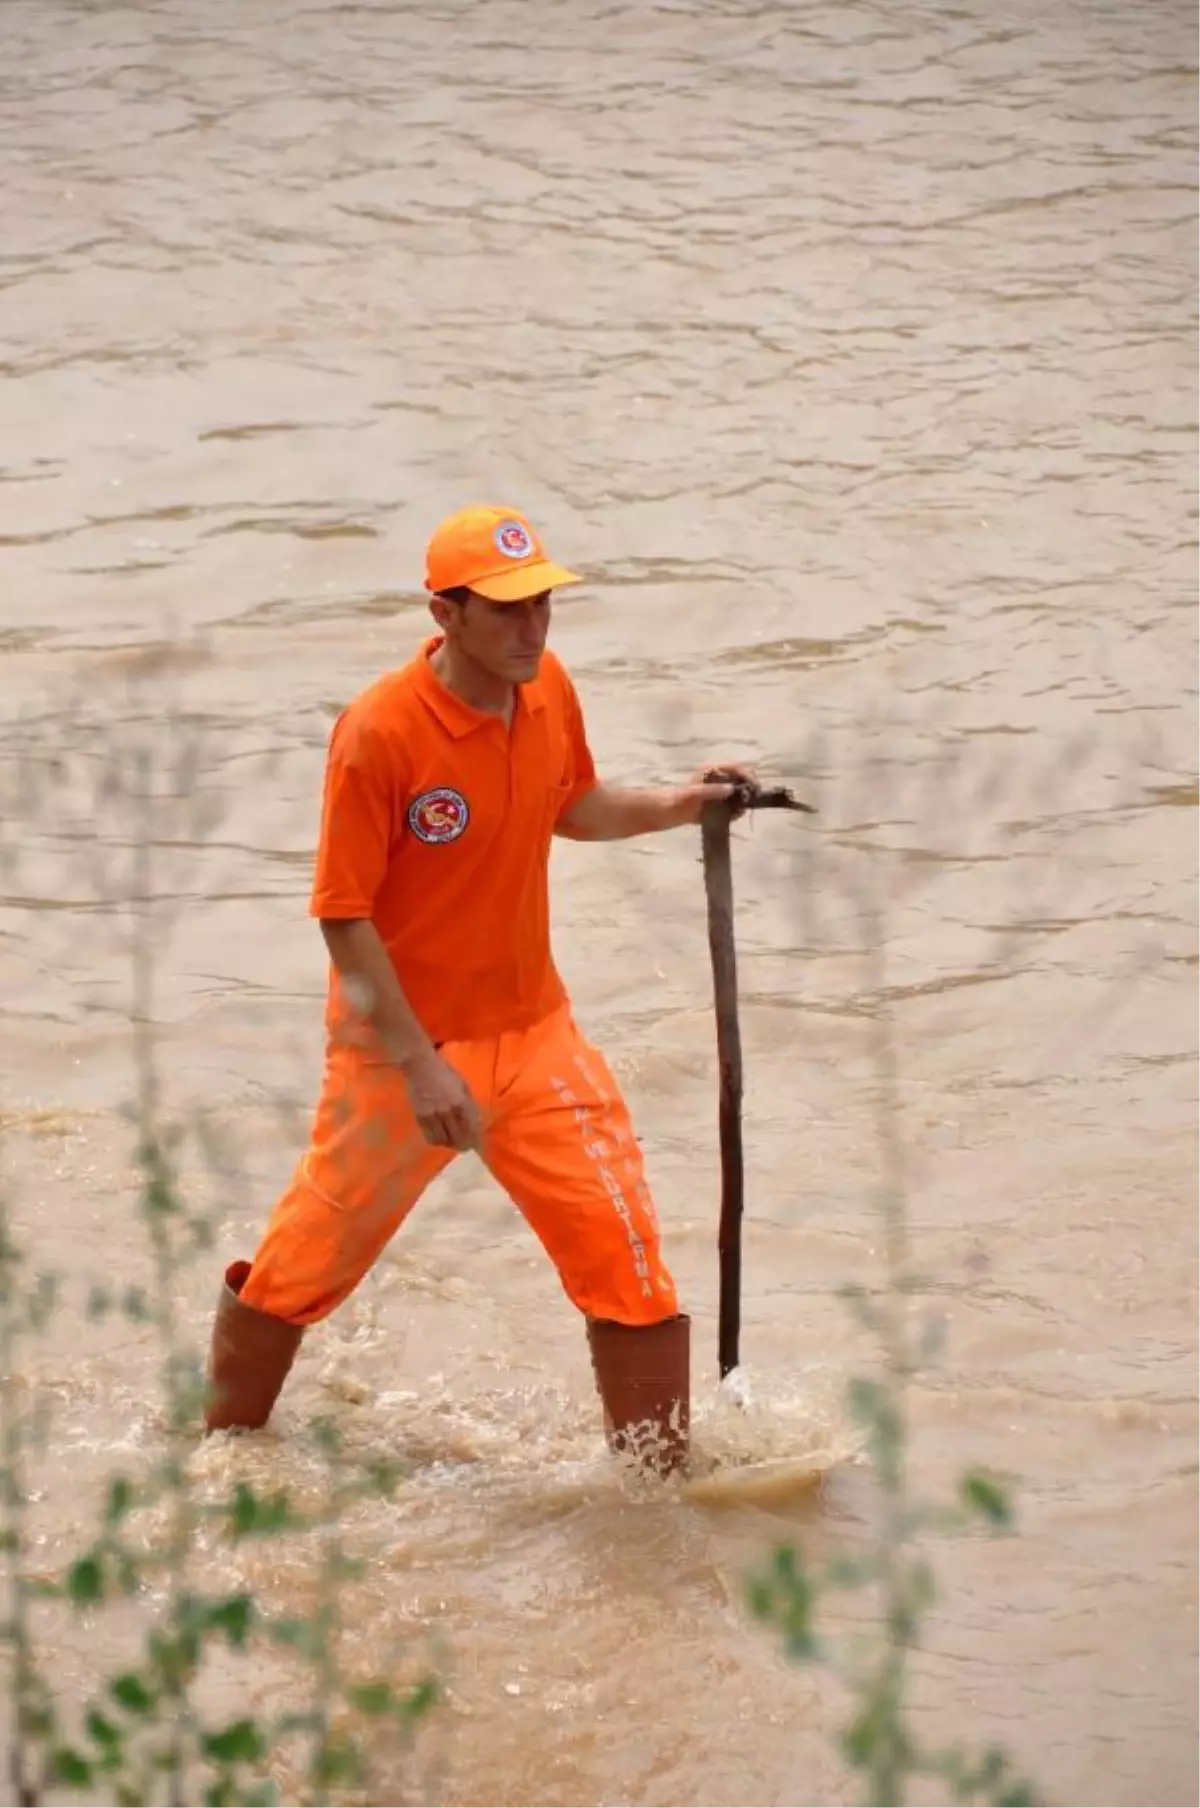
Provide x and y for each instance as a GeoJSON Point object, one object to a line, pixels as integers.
{"type": "Point", "coordinates": [366, 971]}
{"type": "Point", "coordinates": [614, 812]}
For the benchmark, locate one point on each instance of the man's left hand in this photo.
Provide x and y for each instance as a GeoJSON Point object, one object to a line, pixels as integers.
{"type": "Point", "coordinates": [701, 790]}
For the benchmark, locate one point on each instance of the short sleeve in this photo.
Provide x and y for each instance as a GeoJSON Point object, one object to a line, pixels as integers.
{"type": "Point", "coordinates": [356, 822]}
{"type": "Point", "coordinates": [579, 768]}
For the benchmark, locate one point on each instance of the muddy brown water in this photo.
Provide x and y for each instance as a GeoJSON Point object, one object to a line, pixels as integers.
{"type": "Point", "coordinates": [850, 351]}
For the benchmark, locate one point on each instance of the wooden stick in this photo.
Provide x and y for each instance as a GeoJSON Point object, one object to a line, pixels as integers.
{"type": "Point", "coordinates": [715, 825]}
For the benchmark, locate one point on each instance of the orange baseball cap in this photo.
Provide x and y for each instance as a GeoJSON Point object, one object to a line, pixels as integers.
{"type": "Point", "coordinates": [494, 551]}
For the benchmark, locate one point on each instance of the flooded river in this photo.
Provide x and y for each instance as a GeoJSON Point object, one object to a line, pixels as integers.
{"type": "Point", "coordinates": [851, 352]}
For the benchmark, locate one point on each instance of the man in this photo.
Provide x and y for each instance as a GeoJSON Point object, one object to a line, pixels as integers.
{"type": "Point", "coordinates": [448, 1026]}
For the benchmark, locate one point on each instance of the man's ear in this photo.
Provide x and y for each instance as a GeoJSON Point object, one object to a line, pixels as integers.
{"type": "Point", "coordinates": [441, 611]}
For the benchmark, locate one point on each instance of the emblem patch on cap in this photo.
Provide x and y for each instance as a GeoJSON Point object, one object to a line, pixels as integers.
{"type": "Point", "coordinates": [512, 539]}
{"type": "Point", "coordinates": [438, 816]}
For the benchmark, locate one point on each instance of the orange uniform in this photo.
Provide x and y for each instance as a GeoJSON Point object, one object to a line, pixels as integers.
{"type": "Point", "coordinates": [437, 823]}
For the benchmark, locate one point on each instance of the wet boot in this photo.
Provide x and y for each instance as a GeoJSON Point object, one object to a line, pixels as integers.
{"type": "Point", "coordinates": [643, 1375]}
{"type": "Point", "coordinates": [249, 1360]}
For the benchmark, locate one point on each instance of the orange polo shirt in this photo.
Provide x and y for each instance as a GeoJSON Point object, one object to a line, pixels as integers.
{"type": "Point", "coordinates": [436, 824]}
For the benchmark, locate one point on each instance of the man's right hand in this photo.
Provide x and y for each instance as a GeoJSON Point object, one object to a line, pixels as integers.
{"type": "Point", "coordinates": [442, 1103]}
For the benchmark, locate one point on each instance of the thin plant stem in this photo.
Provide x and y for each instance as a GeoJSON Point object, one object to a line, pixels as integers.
{"type": "Point", "coordinates": [160, 1205]}
{"type": "Point", "coordinates": [25, 1693]}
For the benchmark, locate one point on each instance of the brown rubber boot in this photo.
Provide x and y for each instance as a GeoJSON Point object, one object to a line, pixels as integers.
{"type": "Point", "coordinates": [643, 1375]}
{"type": "Point", "coordinates": [249, 1360]}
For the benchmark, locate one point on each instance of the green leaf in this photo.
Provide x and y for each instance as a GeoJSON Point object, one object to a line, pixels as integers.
{"type": "Point", "coordinates": [307, 1721]}
{"type": "Point", "coordinates": [327, 1435]}
{"type": "Point", "coordinates": [120, 1500]}
{"type": "Point", "coordinates": [175, 1654]}
{"type": "Point", "coordinates": [801, 1644]}
{"type": "Point", "coordinates": [873, 1405]}
{"type": "Point", "coordinates": [85, 1582]}
{"type": "Point", "coordinates": [991, 1779]}
{"type": "Point", "coordinates": [371, 1697]}
{"type": "Point", "coordinates": [301, 1635]}
{"type": "Point", "coordinates": [233, 1618]}
{"type": "Point", "coordinates": [241, 1742]}
{"type": "Point", "coordinates": [254, 1515]}
{"type": "Point", "coordinates": [861, 1305]}
{"type": "Point", "coordinates": [424, 1696]}
{"type": "Point", "coordinates": [37, 1718]}
{"type": "Point", "coordinates": [920, 1592]}
{"type": "Point", "coordinates": [760, 1598]}
{"type": "Point", "coordinates": [344, 1568]}
{"type": "Point", "coordinates": [865, 1397]}
{"type": "Point", "coordinates": [158, 1195]}
{"type": "Point", "coordinates": [992, 1768]}
{"type": "Point", "coordinates": [336, 1761]}
{"type": "Point", "coordinates": [952, 1765]}
{"type": "Point", "coordinates": [135, 1305]}
{"type": "Point", "coordinates": [101, 1730]}
{"type": "Point", "coordinates": [982, 1495]}
{"type": "Point", "coordinates": [41, 1304]}
{"type": "Point", "coordinates": [71, 1767]}
{"type": "Point", "coordinates": [203, 1234]}
{"type": "Point", "coordinates": [850, 1572]}
{"type": "Point", "coordinates": [289, 1632]}
{"type": "Point", "coordinates": [786, 1596]}
{"type": "Point", "coordinates": [876, 1736]}
{"type": "Point", "coordinates": [131, 1692]}
{"type": "Point", "coordinates": [858, 1740]}
{"type": "Point", "coordinates": [127, 1573]}
{"type": "Point", "coordinates": [384, 1476]}
{"type": "Point", "coordinates": [99, 1302]}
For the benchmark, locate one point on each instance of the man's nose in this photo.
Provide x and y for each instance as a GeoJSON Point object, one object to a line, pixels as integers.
{"type": "Point", "coordinates": [531, 629]}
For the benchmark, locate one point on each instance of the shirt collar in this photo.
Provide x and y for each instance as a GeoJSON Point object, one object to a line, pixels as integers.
{"type": "Point", "coordinates": [457, 717]}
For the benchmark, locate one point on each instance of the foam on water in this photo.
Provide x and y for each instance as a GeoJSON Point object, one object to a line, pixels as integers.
{"type": "Point", "coordinates": [540, 1433]}
{"type": "Point", "coordinates": [537, 1446]}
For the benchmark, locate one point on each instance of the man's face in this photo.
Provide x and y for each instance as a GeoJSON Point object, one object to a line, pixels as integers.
{"type": "Point", "coordinates": [504, 639]}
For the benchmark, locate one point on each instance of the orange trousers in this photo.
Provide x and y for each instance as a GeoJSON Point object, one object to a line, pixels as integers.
{"type": "Point", "coordinates": [557, 1137]}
